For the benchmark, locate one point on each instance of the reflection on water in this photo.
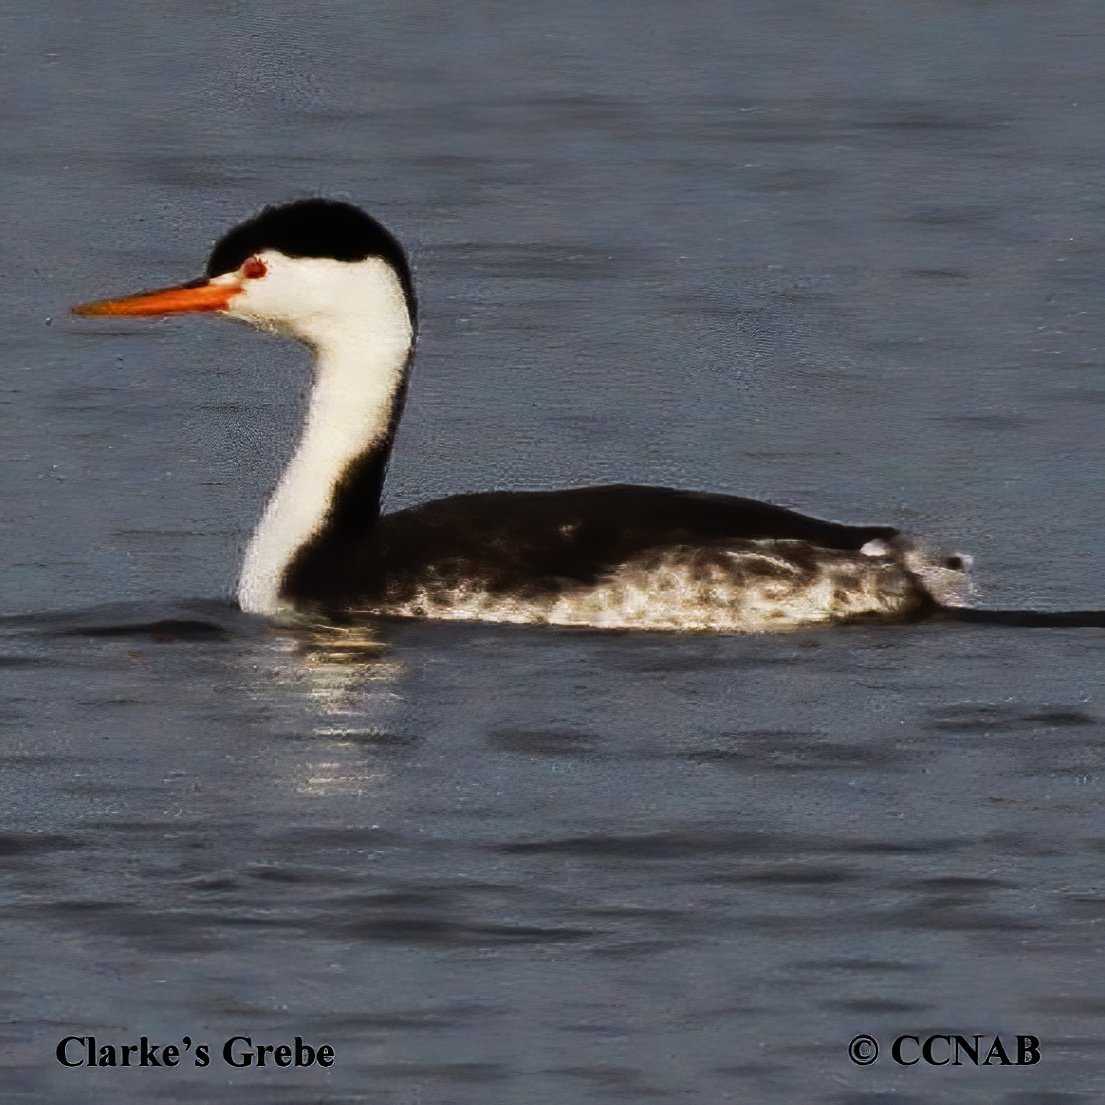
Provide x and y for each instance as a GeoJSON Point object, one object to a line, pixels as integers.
{"type": "Point", "coordinates": [350, 678]}
{"type": "Point", "coordinates": [346, 669]}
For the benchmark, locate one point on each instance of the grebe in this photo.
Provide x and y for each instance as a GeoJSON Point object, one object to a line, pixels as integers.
{"type": "Point", "coordinates": [623, 556]}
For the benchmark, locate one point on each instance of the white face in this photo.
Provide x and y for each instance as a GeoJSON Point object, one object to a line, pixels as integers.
{"type": "Point", "coordinates": [316, 299]}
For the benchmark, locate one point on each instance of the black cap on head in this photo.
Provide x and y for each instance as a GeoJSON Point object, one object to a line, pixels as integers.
{"type": "Point", "coordinates": [312, 228]}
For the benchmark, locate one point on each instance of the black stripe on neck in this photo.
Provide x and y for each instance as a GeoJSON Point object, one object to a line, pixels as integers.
{"type": "Point", "coordinates": [330, 566]}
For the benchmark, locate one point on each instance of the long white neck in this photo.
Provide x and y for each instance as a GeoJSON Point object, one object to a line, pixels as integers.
{"type": "Point", "coordinates": [359, 371]}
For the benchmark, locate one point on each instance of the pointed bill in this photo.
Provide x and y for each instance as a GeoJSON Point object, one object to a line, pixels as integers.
{"type": "Point", "coordinates": [198, 295]}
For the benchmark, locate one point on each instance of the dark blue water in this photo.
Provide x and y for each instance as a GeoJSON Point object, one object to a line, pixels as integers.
{"type": "Point", "coordinates": [846, 257]}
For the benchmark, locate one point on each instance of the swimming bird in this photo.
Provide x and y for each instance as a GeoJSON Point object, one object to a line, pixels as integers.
{"type": "Point", "coordinates": [621, 556]}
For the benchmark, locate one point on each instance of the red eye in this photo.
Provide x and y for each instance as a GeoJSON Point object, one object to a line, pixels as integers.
{"type": "Point", "coordinates": [254, 268]}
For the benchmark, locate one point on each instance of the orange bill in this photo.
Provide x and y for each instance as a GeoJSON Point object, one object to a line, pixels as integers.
{"type": "Point", "coordinates": [199, 295]}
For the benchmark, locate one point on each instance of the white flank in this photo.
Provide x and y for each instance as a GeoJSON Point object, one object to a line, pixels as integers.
{"type": "Point", "coordinates": [753, 586]}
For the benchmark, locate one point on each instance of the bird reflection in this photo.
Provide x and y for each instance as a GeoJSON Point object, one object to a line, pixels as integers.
{"type": "Point", "coordinates": [348, 677]}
